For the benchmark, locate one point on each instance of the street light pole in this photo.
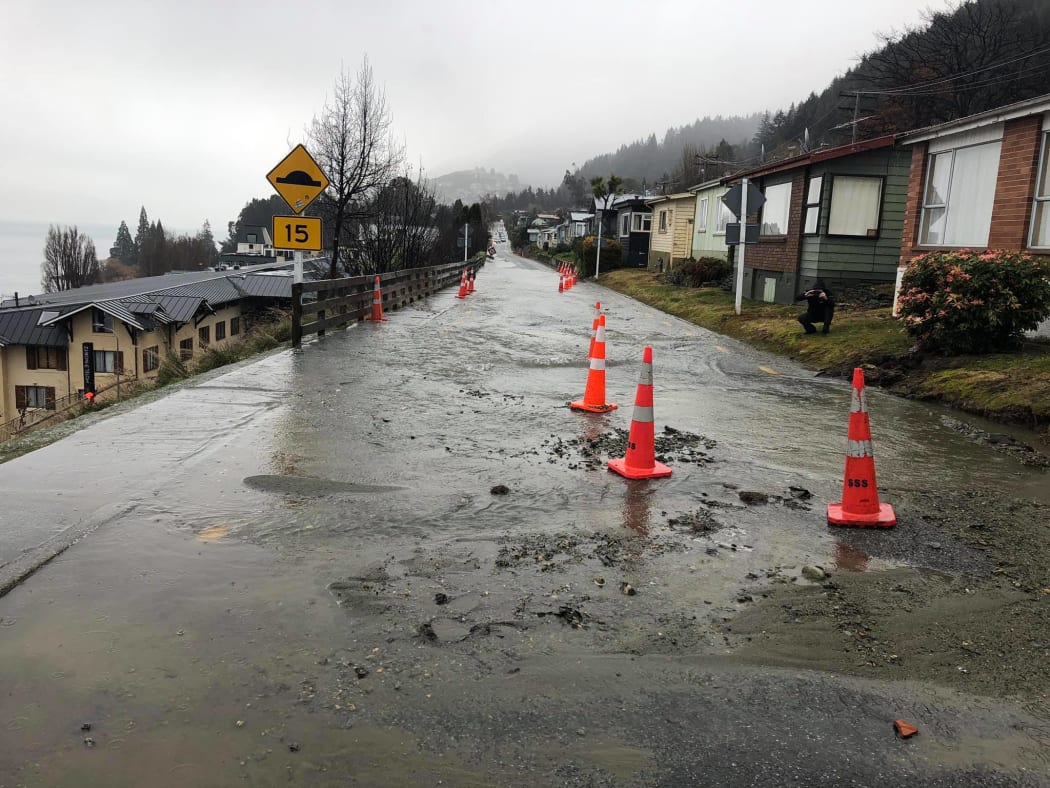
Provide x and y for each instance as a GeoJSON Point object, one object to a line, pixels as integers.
{"type": "Point", "coordinates": [598, 251]}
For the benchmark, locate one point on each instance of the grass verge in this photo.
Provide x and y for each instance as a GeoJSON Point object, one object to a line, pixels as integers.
{"type": "Point", "coordinates": [1009, 387]}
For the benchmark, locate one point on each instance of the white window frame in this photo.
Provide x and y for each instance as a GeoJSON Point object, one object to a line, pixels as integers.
{"type": "Point", "coordinates": [812, 207]}
{"type": "Point", "coordinates": [703, 205]}
{"type": "Point", "coordinates": [725, 216]}
{"type": "Point", "coordinates": [625, 224]}
{"type": "Point", "coordinates": [835, 180]}
{"type": "Point", "coordinates": [946, 205]}
{"type": "Point", "coordinates": [642, 222]}
{"type": "Point", "coordinates": [787, 209]}
{"type": "Point", "coordinates": [1041, 200]}
{"type": "Point", "coordinates": [663, 221]}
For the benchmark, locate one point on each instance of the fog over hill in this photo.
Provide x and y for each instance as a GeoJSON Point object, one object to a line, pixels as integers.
{"type": "Point", "coordinates": [471, 186]}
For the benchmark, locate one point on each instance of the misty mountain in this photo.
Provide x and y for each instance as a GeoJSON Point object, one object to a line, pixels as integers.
{"type": "Point", "coordinates": [471, 186]}
{"type": "Point", "coordinates": [651, 159]}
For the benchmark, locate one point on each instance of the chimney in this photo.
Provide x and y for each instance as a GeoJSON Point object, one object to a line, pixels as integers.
{"type": "Point", "coordinates": [16, 298]}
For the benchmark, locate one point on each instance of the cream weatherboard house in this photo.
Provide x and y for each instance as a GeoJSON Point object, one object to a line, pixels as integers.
{"type": "Point", "coordinates": [671, 237]}
{"type": "Point", "coordinates": [52, 345]}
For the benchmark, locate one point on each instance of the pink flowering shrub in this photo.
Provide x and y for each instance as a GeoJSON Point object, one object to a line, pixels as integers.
{"type": "Point", "coordinates": [974, 301]}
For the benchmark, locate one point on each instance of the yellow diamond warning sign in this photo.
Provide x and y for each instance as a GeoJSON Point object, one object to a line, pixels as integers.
{"type": "Point", "coordinates": [298, 179]}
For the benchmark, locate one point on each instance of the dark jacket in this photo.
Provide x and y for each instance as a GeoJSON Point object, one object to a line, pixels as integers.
{"type": "Point", "coordinates": [817, 306]}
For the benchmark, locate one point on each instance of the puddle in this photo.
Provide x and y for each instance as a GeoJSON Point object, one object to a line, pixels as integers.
{"type": "Point", "coordinates": [309, 486]}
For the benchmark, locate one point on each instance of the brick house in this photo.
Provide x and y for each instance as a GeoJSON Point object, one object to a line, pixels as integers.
{"type": "Point", "coordinates": [980, 182]}
{"type": "Point", "coordinates": [832, 213]}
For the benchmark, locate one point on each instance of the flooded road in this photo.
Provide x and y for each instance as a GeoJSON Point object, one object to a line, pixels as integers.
{"type": "Point", "coordinates": [305, 572]}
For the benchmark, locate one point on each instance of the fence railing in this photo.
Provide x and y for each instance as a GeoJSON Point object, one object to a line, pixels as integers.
{"type": "Point", "coordinates": [337, 303]}
{"type": "Point", "coordinates": [29, 420]}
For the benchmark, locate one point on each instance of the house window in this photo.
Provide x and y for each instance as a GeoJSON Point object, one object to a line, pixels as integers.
{"type": "Point", "coordinates": [204, 336]}
{"type": "Point", "coordinates": [1041, 210]}
{"type": "Point", "coordinates": [775, 211]}
{"type": "Point", "coordinates": [151, 358]}
{"type": "Point", "coordinates": [855, 204]}
{"type": "Point", "coordinates": [960, 190]}
{"type": "Point", "coordinates": [701, 215]}
{"type": "Point", "coordinates": [725, 216]}
{"type": "Point", "coordinates": [34, 397]}
{"type": "Point", "coordinates": [101, 323]}
{"type": "Point", "coordinates": [663, 221]}
{"type": "Point", "coordinates": [251, 239]}
{"type": "Point", "coordinates": [40, 357]}
{"type": "Point", "coordinates": [109, 362]}
{"type": "Point", "coordinates": [641, 222]}
{"type": "Point", "coordinates": [813, 204]}
{"type": "Point", "coordinates": [625, 224]}
{"type": "Point", "coordinates": [186, 349]}
{"type": "Point", "coordinates": [220, 330]}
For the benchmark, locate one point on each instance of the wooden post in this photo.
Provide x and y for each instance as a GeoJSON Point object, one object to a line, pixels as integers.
{"type": "Point", "coordinates": [297, 314]}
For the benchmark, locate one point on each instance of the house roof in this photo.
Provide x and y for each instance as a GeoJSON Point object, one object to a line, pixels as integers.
{"type": "Point", "coordinates": [1018, 109]}
{"type": "Point", "coordinates": [705, 185]}
{"type": "Point", "coordinates": [580, 216]}
{"type": "Point", "coordinates": [22, 327]}
{"type": "Point", "coordinates": [262, 235]}
{"type": "Point", "coordinates": [812, 157]}
{"type": "Point", "coordinates": [131, 287]}
{"type": "Point", "coordinates": [663, 197]}
{"type": "Point", "coordinates": [628, 200]}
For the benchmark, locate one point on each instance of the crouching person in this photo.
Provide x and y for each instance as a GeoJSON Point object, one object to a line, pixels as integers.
{"type": "Point", "coordinates": [821, 308]}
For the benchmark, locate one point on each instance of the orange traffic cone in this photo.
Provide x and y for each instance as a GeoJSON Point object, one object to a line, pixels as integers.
{"type": "Point", "coordinates": [640, 462]}
{"type": "Point", "coordinates": [594, 326]}
{"type": "Point", "coordinates": [470, 280]}
{"type": "Point", "coordinates": [462, 285]}
{"type": "Point", "coordinates": [561, 283]}
{"type": "Point", "coordinates": [860, 495]}
{"type": "Point", "coordinates": [594, 395]}
{"type": "Point", "coordinates": [377, 304]}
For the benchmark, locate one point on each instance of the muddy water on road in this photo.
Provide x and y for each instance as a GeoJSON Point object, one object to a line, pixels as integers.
{"type": "Point", "coordinates": [340, 578]}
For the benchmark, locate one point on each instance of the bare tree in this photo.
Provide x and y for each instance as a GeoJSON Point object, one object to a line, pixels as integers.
{"type": "Point", "coordinates": [402, 231]}
{"type": "Point", "coordinates": [969, 58]}
{"type": "Point", "coordinates": [69, 260]}
{"type": "Point", "coordinates": [353, 142]}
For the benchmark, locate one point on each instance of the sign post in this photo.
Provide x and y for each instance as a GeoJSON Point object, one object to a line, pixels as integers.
{"type": "Point", "coordinates": [739, 200]}
{"type": "Point", "coordinates": [741, 248]}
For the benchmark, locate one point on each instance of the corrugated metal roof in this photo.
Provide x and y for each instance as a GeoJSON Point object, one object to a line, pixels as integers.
{"type": "Point", "coordinates": [263, 286]}
{"type": "Point", "coordinates": [112, 308]}
{"type": "Point", "coordinates": [20, 327]}
{"type": "Point", "coordinates": [180, 309]}
{"type": "Point", "coordinates": [136, 287]}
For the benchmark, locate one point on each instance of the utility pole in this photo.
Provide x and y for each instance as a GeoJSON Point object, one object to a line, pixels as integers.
{"type": "Point", "coordinates": [466, 236]}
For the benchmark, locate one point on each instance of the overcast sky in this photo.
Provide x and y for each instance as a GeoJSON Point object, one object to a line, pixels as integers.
{"type": "Point", "coordinates": [185, 106]}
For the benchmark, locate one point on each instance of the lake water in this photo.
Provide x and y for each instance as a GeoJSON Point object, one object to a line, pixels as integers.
{"type": "Point", "coordinates": [22, 251]}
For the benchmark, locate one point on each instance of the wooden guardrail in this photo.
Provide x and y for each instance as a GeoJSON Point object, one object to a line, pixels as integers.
{"type": "Point", "coordinates": [337, 303]}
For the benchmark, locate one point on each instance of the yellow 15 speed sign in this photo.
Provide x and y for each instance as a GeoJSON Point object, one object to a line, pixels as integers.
{"type": "Point", "coordinates": [297, 232]}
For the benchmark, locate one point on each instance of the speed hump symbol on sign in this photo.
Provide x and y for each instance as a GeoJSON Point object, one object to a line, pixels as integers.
{"type": "Point", "coordinates": [297, 232]}
{"type": "Point", "coordinates": [298, 179]}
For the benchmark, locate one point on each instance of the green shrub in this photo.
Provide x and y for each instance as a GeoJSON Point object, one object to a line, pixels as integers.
{"type": "Point", "coordinates": [974, 301]}
{"type": "Point", "coordinates": [694, 273]}
{"type": "Point", "coordinates": [172, 369]}
{"type": "Point", "coordinates": [612, 255]}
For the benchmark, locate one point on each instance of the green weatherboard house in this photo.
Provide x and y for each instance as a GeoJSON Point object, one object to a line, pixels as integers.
{"type": "Point", "coordinates": [835, 213]}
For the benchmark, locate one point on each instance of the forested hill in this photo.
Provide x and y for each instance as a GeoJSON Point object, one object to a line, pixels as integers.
{"type": "Point", "coordinates": [970, 57]}
{"type": "Point", "coordinates": [651, 160]}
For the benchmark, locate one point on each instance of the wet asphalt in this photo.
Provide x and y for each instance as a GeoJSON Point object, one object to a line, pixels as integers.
{"type": "Point", "coordinates": [297, 572]}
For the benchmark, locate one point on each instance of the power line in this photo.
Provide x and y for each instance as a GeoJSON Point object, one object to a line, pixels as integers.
{"type": "Point", "coordinates": [930, 83]}
{"type": "Point", "coordinates": [972, 86]}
